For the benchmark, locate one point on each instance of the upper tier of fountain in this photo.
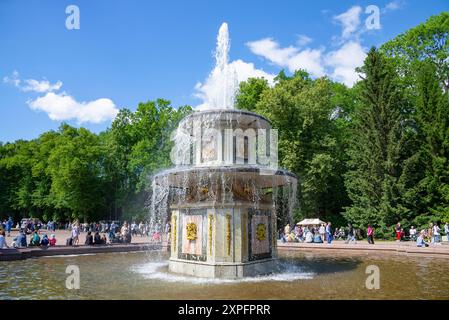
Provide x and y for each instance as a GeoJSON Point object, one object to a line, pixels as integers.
{"type": "Point", "coordinates": [225, 138]}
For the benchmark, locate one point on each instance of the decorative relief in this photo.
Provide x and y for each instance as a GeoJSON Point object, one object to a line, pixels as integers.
{"type": "Point", "coordinates": [261, 232]}
{"type": "Point", "coordinates": [191, 231]}
{"type": "Point", "coordinates": [228, 233]}
{"type": "Point", "coordinates": [174, 232]}
{"type": "Point", "coordinates": [211, 221]}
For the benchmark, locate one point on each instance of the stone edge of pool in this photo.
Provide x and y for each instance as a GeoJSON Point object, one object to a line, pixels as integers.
{"type": "Point", "coordinates": [440, 251]}
{"type": "Point", "coordinates": [30, 252]}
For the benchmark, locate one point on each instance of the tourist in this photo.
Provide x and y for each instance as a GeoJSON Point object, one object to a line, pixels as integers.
{"type": "Point", "coordinates": [412, 233]}
{"type": "Point", "coordinates": [35, 239]}
{"type": "Point", "coordinates": [142, 228]}
{"type": "Point", "coordinates": [21, 240]}
{"type": "Point", "coordinates": [436, 234]}
{"type": "Point", "coordinates": [317, 237]}
{"type": "Point", "coordinates": [75, 233]}
{"type": "Point", "coordinates": [52, 241]}
{"type": "Point", "coordinates": [351, 234]}
{"type": "Point", "coordinates": [370, 234]}
{"type": "Point", "coordinates": [287, 229]}
{"type": "Point", "coordinates": [329, 234]}
{"type": "Point", "coordinates": [430, 232]}
{"type": "Point", "coordinates": [97, 238]}
{"type": "Point", "coordinates": [420, 240]}
{"type": "Point", "coordinates": [322, 232]}
{"type": "Point", "coordinates": [299, 234]}
{"type": "Point", "coordinates": [402, 234]}
{"type": "Point", "coordinates": [124, 229]}
{"type": "Point", "coordinates": [45, 241]}
{"type": "Point", "coordinates": [309, 237]}
{"type": "Point", "coordinates": [112, 227]}
{"type": "Point", "coordinates": [3, 243]}
{"type": "Point", "coordinates": [398, 232]}
{"type": "Point", "coordinates": [111, 235]}
{"type": "Point", "coordinates": [336, 234]}
{"type": "Point", "coordinates": [446, 231]}
{"type": "Point", "coordinates": [103, 239]}
{"type": "Point", "coordinates": [89, 239]}
{"type": "Point", "coordinates": [9, 225]}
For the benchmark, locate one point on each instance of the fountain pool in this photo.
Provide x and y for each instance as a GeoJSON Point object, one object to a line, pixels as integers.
{"type": "Point", "coordinates": [306, 275]}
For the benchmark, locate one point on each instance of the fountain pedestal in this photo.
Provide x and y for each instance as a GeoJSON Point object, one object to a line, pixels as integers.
{"type": "Point", "coordinates": [229, 242]}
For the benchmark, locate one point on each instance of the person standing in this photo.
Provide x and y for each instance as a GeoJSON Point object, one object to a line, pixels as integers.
{"type": "Point", "coordinates": [351, 234]}
{"type": "Point", "coordinates": [430, 233]}
{"type": "Point", "coordinates": [370, 234]}
{"type": "Point", "coordinates": [436, 234]}
{"type": "Point", "coordinates": [3, 243]}
{"type": "Point", "coordinates": [9, 225]}
{"type": "Point", "coordinates": [329, 233]}
{"type": "Point", "coordinates": [398, 232]}
{"type": "Point", "coordinates": [412, 233]}
{"type": "Point", "coordinates": [75, 234]}
{"type": "Point", "coordinates": [322, 232]}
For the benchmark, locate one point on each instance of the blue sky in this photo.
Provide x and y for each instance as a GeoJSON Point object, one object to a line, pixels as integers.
{"type": "Point", "coordinates": [127, 52]}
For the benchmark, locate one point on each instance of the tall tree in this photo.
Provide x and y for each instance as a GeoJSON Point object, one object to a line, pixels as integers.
{"type": "Point", "coordinates": [376, 150]}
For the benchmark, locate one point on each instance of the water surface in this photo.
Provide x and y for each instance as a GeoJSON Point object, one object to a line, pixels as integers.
{"type": "Point", "coordinates": [144, 275]}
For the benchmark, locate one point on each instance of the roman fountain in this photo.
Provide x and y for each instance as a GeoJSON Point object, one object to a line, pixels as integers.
{"type": "Point", "coordinates": [220, 197]}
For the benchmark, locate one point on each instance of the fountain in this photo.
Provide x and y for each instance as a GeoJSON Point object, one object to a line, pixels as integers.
{"type": "Point", "coordinates": [220, 196]}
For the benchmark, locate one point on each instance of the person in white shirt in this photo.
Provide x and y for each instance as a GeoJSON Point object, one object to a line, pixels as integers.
{"type": "Point", "coordinates": [446, 230]}
{"type": "Point", "coordinates": [322, 232]}
{"type": "Point", "coordinates": [412, 233]}
{"type": "Point", "coordinates": [309, 237]}
{"type": "Point", "coordinates": [436, 234]}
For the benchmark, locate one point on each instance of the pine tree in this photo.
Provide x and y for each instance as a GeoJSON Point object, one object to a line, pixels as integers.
{"type": "Point", "coordinates": [376, 149]}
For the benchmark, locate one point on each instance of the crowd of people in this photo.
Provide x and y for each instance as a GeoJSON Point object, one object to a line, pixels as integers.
{"type": "Point", "coordinates": [100, 233]}
{"type": "Point", "coordinates": [324, 233]}
{"type": "Point", "coordinates": [317, 233]}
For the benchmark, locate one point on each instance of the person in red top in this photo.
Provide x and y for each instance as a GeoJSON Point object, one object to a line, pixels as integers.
{"type": "Point", "coordinates": [370, 234]}
{"type": "Point", "coordinates": [52, 241]}
{"type": "Point", "coordinates": [398, 232]}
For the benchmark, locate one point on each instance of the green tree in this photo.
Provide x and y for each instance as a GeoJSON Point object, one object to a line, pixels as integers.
{"type": "Point", "coordinates": [250, 92]}
{"type": "Point", "coordinates": [377, 147]}
{"type": "Point", "coordinates": [306, 113]}
{"type": "Point", "coordinates": [432, 117]}
{"type": "Point", "coordinates": [427, 41]}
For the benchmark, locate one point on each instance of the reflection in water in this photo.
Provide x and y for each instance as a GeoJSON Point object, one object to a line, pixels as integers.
{"type": "Point", "coordinates": [297, 276]}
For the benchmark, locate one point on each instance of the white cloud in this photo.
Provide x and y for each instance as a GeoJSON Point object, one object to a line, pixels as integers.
{"type": "Point", "coordinates": [270, 49]}
{"type": "Point", "coordinates": [60, 107]}
{"type": "Point", "coordinates": [393, 5]}
{"type": "Point", "coordinates": [350, 21]}
{"type": "Point", "coordinates": [14, 79]}
{"type": "Point", "coordinates": [290, 57]}
{"type": "Point", "coordinates": [31, 84]}
{"type": "Point", "coordinates": [41, 86]}
{"type": "Point", "coordinates": [303, 40]}
{"type": "Point", "coordinates": [339, 64]}
{"type": "Point", "coordinates": [344, 60]}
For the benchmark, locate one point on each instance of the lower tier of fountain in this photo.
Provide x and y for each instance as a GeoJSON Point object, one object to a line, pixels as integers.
{"type": "Point", "coordinates": [230, 241]}
{"type": "Point", "coordinates": [223, 219]}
